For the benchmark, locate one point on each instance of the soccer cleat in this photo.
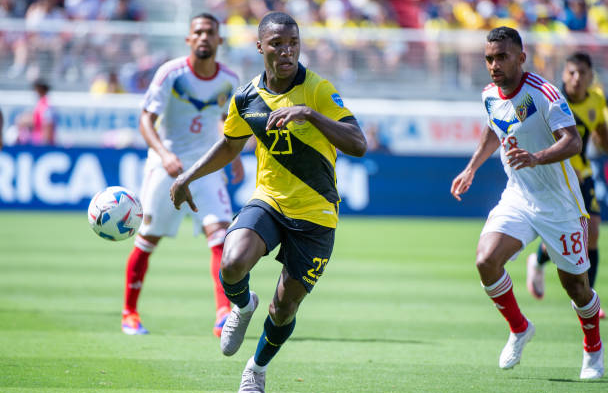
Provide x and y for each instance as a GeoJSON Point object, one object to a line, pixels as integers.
{"type": "Point", "coordinates": [535, 278]}
{"type": "Point", "coordinates": [131, 324]}
{"type": "Point", "coordinates": [233, 332]}
{"type": "Point", "coordinates": [511, 353]}
{"type": "Point", "coordinates": [602, 314]}
{"type": "Point", "coordinates": [252, 382]}
{"type": "Point", "coordinates": [221, 316]}
{"type": "Point", "coordinates": [593, 364]}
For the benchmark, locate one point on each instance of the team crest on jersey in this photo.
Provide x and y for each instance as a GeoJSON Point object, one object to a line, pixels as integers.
{"type": "Point", "coordinates": [221, 99]}
{"type": "Point", "coordinates": [592, 115]}
{"type": "Point", "coordinates": [525, 109]}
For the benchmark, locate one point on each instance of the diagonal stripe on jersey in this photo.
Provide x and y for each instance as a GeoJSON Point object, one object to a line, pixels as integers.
{"type": "Point", "coordinates": [304, 162]}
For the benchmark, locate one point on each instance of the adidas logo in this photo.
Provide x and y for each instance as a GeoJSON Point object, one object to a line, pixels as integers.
{"type": "Point", "coordinates": [135, 285]}
{"type": "Point", "coordinates": [580, 261]}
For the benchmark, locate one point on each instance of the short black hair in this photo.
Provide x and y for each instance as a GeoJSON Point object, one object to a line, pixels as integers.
{"type": "Point", "coordinates": [206, 15]}
{"type": "Point", "coordinates": [276, 18]}
{"type": "Point", "coordinates": [580, 57]}
{"type": "Point", "coordinates": [505, 33]}
{"type": "Point", "coordinates": [42, 84]}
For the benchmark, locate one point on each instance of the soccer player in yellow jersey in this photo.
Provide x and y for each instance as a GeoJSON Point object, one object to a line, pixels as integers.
{"type": "Point", "coordinates": [589, 107]}
{"type": "Point", "coordinates": [298, 120]}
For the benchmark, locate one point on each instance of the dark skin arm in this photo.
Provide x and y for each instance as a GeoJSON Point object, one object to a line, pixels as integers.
{"type": "Point", "coordinates": [221, 154]}
{"type": "Point", "coordinates": [600, 137]}
{"type": "Point", "coordinates": [487, 146]}
{"type": "Point", "coordinates": [344, 135]}
{"type": "Point", "coordinates": [569, 143]}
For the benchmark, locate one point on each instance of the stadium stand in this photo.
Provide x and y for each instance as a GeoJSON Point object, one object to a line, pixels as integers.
{"type": "Point", "coordinates": [422, 49]}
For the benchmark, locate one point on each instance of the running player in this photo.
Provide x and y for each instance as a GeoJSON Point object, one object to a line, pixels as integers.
{"type": "Point", "coordinates": [533, 124]}
{"type": "Point", "coordinates": [182, 113]}
{"type": "Point", "coordinates": [588, 106]}
{"type": "Point", "coordinates": [299, 120]}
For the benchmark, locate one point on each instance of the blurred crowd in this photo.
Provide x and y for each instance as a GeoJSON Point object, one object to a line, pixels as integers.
{"type": "Point", "coordinates": [109, 62]}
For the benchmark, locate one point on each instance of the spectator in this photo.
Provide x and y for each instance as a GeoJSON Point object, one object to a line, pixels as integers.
{"type": "Point", "coordinates": [38, 127]}
{"type": "Point", "coordinates": [127, 10]}
{"type": "Point", "coordinates": [107, 84]}
{"type": "Point", "coordinates": [575, 15]}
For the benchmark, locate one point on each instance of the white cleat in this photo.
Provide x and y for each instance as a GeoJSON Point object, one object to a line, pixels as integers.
{"type": "Point", "coordinates": [233, 332]}
{"type": "Point", "coordinates": [511, 353]}
{"type": "Point", "coordinates": [593, 364]}
{"type": "Point", "coordinates": [535, 277]}
{"type": "Point", "coordinates": [252, 382]}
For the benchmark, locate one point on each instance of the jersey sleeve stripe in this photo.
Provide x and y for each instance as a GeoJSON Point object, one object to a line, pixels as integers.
{"type": "Point", "coordinates": [179, 65]}
{"type": "Point", "coordinates": [488, 87]}
{"type": "Point", "coordinates": [541, 90]}
{"type": "Point", "coordinates": [228, 71]}
{"type": "Point", "coordinates": [237, 137]}
{"type": "Point", "coordinates": [545, 85]}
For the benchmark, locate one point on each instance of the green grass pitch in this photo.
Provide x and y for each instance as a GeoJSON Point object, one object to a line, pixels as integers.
{"type": "Point", "coordinates": [399, 309]}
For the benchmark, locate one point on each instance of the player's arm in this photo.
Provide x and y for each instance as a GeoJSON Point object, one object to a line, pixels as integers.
{"type": "Point", "coordinates": [345, 135]}
{"type": "Point", "coordinates": [171, 163]}
{"type": "Point", "coordinates": [568, 143]}
{"type": "Point", "coordinates": [236, 166]}
{"type": "Point", "coordinates": [600, 136]}
{"type": "Point", "coordinates": [487, 146]}
{"type": "Point", "coordinates": [221, 154]}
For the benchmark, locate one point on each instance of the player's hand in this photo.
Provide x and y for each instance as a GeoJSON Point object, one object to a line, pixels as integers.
{"type": "Point", "coordinates": [281, 117]}
{"type": "Point", "coordinates": [237, 170]}
{"type": "Point", "coordinates": [180, 193]}
{"type": "Point", "coordinates": [172, 164]}
{"type": "Point", "coordinates": [519, 158]}
{"type": "Point", "coordinates": [462, 183]}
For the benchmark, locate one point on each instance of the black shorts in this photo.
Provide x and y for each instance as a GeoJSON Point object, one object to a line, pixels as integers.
{"type": "Point", "coordinates": [305, 246]}
{"type": "Point", "coordinates": [588, 191]}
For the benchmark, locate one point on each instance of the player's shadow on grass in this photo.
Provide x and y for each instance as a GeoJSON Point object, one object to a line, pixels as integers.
{"type": "Point", "coordinates": [577, 380]}
{"type": "Point", "coordinates": [357, 340]}
{"type": "Point", "coordinates": [568, 380]}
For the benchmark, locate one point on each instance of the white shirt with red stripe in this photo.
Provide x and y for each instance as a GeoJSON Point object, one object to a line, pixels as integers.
{"type": "Point", "coordinates": [527, 119]}
{"type": "Point", "coordinates": [189, 106]}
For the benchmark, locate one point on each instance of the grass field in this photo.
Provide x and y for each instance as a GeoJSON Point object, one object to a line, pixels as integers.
{"type": "Point", "coordinates": [399, 309]}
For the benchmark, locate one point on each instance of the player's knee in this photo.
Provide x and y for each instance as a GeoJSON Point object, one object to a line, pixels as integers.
{"type": "Point", "coordinates": [233, 267]}
{"type": "Point", "coordinates": [486, 261]}
{"type": "Point", "coordinates": [282, 312]}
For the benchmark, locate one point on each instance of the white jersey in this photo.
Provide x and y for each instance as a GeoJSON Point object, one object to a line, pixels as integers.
{"type": "Point", "coordinates": [527, 119]}
{"type": "Point", "coordinates": [189, 107]}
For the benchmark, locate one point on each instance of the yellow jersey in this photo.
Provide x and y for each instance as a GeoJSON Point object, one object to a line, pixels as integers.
{"type": "Point", "coordinates": [296, 165]}
{"type": "Point", "coordinates": [588, 114]}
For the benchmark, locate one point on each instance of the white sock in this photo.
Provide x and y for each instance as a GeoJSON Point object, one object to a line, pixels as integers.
{"type": "Point", "coordinates": [249, 306]}
{"type": "Point", "coordinates": [252, 365]}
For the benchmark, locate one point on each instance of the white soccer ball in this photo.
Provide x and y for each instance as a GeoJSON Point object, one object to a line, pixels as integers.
{"type": "Point", "coordinates": [115, 213]}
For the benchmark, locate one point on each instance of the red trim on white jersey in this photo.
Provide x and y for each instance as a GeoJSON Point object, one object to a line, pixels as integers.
{"type": "Point", "coordinates": [514, 93]}
{"type": "Point", "coordinates": [227, 70]}
{"type": "Point", "coordinates": [543, 86]}
{"type": "Point", "coordinates": [179, 65]}
{"type": "Point", "coordinates": [205, 78]}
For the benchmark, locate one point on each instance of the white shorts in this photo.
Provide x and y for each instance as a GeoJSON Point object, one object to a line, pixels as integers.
{"type": "Point", "coordinates": [161, 218]}
{"type": "Point", "coordinates": [566, 241]}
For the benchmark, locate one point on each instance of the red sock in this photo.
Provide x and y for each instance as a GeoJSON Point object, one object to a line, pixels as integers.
{"type": "Point", "coordinates": [501, 293]}
{"type": "Point", "coordinates": [221, 300]}
{"type": "Point", "coordinates": [589, 316]}
{"type": "Point", "coordinates": [137, 264]}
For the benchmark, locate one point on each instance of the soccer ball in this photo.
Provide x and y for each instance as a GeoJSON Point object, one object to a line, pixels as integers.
{"type": "Point", "coordinates": [115, 213]}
